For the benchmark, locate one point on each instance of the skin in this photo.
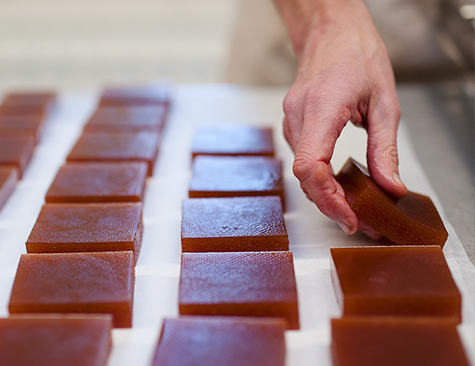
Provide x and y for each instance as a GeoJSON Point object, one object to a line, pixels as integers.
{"type": "Point", "coordinates": [344, 75]}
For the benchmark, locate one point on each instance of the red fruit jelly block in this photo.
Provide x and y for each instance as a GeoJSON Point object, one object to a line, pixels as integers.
{"type": "Point", "coordinates": [75, 283]}
{"type": "Point", "coordinates": [20, 126]}
{"type": "Point", "coordinates": [239, 283]}
{"type": "Point", "coordinates": [55, 340]}
{"type": "Point", "coordinates": [16, 152]}
{"type": "Point", "coordinates": [233, 140]}
{"type": "Point", "coordinates": [127, 119]}
{"type": "Point", "coordinates": [88, 227]}
{"type": "Point", "coordinates": [223, 176]}
{"type": "Point", "coordinates": [388, 341]}
{"type": "Point", "coordinates": [28, 103]}
{"type": "Point", "coordinates": [235, 224]}
{"type": "Point", "coordinates": [140, 146]}
{"type": "Point", "coordinates": [152, 94]}
{"type": "Point", "coordinates": [410, 220]}
{"type": "Point", "coordinates": [99, 182]}
{"type": "Point", "coordinates": [395, 280]}
{"type": "Point", "coordinates": [230, 341]}
{"type": "Point", "coordinates": [8, 181]}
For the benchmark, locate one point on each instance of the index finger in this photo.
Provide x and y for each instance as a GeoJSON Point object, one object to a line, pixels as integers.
{"type": "Point", "coordinates": [312, 166]}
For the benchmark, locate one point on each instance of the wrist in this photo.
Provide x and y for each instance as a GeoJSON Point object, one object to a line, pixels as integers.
{"type": "Point", "coordinates": [310, 22]}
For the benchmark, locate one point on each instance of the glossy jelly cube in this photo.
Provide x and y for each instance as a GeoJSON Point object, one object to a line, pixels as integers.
{"type": "Point", "coordinates": [223, 176]}
{"type": "Point", "coordinates": [234, 224]}
{"type": "Point", "coordinates": [99, 182]}
{"type": "Point", "coordinates": [116, 147]}
{"type": "Point", "coordinates": [230, 341]}
{"type": "Point", "coordinates": [88, 227]}
{"type": "Point", "coordinates": [28, 103]}
{"type": "Point", "coordinates": [239, 283]}
{"type": "Point", "coordinates": [75, 283]}
{"type": "Point", "coordinates": [22, 126]}
{"type": "Point", "coordinates": [127, 119]}
{"type": "Point", "coordinates": [55, 340]}
{"type": "Point", "coordinates": [395, 280]}
{"type": "Point", "coordinates": [367, 341]}
{"type": "Point", "coordinates": [16, 152]}
{"type": "Point", "coordinates": [8, 181]}
{"type": "Point", "coordinates": [153, 94]}
{"type": "Point", "coordinates": [410, 220]}
{"type": "Point", "coordinates": [233, 140]}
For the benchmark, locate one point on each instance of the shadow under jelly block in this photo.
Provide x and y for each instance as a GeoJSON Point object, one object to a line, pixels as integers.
{"type": "Point", "coordinates": [258, 284]}
{"type": "Point", "coordinates": [88, 227]}
{"type": "Point", "coordinates": [235, 224]}
{"type": "Point", "coordinates": [76, 283]}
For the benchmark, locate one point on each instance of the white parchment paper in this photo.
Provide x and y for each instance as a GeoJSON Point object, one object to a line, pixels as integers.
{"type": "Point", "coordinates": [156, 292]}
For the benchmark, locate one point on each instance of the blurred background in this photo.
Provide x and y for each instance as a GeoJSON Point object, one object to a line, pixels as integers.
{"type": "Point", "coordinates": [91, 42]}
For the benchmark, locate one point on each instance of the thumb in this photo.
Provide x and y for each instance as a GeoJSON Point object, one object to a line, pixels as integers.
{"type": "Point", "coordinates": [382, 152]}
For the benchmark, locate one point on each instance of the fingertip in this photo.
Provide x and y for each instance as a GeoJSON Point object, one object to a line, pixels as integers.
{"type": "Point", "coordinates": [348, 228]}
{"type": "Point", "coordinates": [401, 189]}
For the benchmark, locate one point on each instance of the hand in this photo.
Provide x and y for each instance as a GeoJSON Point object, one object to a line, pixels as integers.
{"type": "Point", "coordinates": [344, 75]}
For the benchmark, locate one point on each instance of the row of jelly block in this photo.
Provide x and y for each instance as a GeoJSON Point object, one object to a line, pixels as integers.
{"type": "Point", "coordinates": [237, 280]}
{"type": "Point", "coordinates": [92, 247]}
{"type": "Point", "coordinates": [23, 117]}
{"type": "Point", "coordinates": [400, 304]}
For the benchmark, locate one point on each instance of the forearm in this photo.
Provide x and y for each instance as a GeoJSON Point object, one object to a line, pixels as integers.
{"type": "Point", "coordinates": [308, 22]}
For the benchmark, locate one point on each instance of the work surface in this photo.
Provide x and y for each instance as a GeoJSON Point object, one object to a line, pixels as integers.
{"type": "Point", "coordinates": [156, 290]}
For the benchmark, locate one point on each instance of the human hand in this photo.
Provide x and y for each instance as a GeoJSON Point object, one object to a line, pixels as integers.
{"type": "Point", "coordinates": [344, 75]}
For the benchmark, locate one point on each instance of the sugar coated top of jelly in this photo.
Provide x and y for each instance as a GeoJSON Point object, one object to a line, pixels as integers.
{"type": "Point", "coordinates": [233, 140]}
{"type": "Point", "coordinates": [92, 146]}
{"type": "Point", "coordinates": [237, 277]}
{"type": "Point", "coordinates": [98, 179]}
{"type": "Point", "coordinates": [87, 223]}
{"type": "Point", "coordinates": [81, 278]}
{"type": "Point", "coordinates": [233, 217]}
{"type": "Point", "coordinates": [222, 173]}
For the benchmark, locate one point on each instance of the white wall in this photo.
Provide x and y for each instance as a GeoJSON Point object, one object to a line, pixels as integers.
{"type": "Point", "coordinates": [91, 42]}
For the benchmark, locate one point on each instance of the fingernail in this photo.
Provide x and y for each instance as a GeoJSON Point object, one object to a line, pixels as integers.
{"type": "Point", "coordinates": [372, 235]}
{"type": "Point", "coordinates": [345, 227]}
{"type": "Point", "coordinates": [397, 179]}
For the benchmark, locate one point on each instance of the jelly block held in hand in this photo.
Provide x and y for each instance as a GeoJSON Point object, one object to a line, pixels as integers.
{"type": "Point", "coordinates": [410, 220]}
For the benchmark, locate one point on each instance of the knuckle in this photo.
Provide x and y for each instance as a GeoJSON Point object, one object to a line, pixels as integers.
{"type": "Point", "coordinates": [302, 167]}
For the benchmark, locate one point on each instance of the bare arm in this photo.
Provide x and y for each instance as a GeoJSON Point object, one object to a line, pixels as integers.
{"type": "Point", "coordinates": [344, 74]}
